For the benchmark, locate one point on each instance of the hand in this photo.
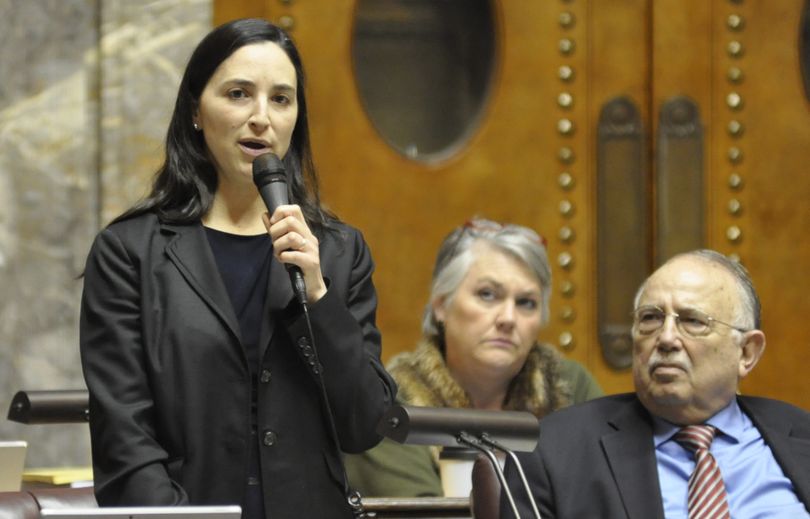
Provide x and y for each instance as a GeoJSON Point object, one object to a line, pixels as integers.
{"type": "Point", "coordinates": [295, 244]}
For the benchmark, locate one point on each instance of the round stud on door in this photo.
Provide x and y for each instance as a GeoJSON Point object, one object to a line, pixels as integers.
{"type": "Point", "coordinates": [735, 49]}
{"type": "Point", "coordinates": [566, 181]}
{"type": "Point", "coordinates": [565, 127]}
{"type": "Point", "coordinates": [567, 288]}
{"type": "Point", "coordinates": [734, 207]}
{"type": "Point", "coordinates": [735, 128]}
{"type": "Point", "coordinates": [566, 19]}
{"type": "Point", "coordinates": [734, 234]}
{"type": "Point", "coordinates": [565, 260]}
{"type": "Point", "coordinates": [566, 234]}
{"type": "Point", "coordinates": [566, 155]}
{"type": "Point", "coordinates": [734, 101]}
{"type": "Point", "coordinates": [735, 74]}
{"type": "Point", "coordinates": [735, 22]}
{"type": "Point", "coordinates": [567, 341]}
{"type": "Point", "coordinates": [565, 73]}
{"type": "Point", "coordinates": [566, 46]}
{"type": "Point", "coordinates": [566, 208]}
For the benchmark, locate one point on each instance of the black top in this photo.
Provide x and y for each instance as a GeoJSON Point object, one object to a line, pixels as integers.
{"type": "Point", "coordinates": [244, 264]}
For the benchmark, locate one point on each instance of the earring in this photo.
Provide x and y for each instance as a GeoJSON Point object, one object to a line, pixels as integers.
{"type": "Point", "coordinates": [197, 127]}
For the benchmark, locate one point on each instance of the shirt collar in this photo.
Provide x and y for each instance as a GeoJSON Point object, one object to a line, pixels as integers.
{"type": "Point", "coordinates": [729, 420]}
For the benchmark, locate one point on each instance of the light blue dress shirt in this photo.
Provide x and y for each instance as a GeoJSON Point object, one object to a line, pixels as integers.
{"type": "Point", "coordinates": [756, 486]}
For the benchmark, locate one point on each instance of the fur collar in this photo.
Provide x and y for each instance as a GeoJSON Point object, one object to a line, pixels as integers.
{"type": "Point", "coordinates": [424, 380]}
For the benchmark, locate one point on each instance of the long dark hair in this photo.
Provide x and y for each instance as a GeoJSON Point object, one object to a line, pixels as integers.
{"type": "Point", "coordinates": [184, 185]}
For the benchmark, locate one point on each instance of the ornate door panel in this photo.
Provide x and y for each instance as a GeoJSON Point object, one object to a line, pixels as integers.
{"type": "Point", "coordinates": [623, 131]}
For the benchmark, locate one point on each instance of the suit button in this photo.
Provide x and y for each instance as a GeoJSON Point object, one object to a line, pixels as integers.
{"type": "Point", "coordinates": [264, 378]}
{"type": "Point", "coordinates": [302, 342]}
{"type": "Point", "coordinates": [269, 438]}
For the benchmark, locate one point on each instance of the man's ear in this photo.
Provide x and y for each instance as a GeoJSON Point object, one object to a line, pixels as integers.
{"type": "Point", "coordinates": [753, 347]}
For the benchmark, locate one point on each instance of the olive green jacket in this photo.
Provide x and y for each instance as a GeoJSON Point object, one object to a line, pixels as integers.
{"type": "Point", "coordinates": [546, 382]}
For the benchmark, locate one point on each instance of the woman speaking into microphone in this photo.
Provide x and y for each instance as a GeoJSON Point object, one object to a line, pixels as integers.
{"type": "Point", "coordinates": [210, 383]}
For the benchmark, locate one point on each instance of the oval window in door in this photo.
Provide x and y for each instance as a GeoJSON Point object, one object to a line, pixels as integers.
{"type": "Point", "coordinates": [423, 69]}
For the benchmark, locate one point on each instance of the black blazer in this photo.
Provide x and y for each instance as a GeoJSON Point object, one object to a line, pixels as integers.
{"type": "Point", "coordinates": [597, 459]}
{"type": "Point", "coordinates": [169, 380]}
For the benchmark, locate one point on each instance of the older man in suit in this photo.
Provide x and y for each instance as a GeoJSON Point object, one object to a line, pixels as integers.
{"type": "Point", "coordinates": [685, 444]}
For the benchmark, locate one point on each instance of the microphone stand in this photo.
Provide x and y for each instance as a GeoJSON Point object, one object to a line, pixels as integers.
{"type": "Point", "coordinates": [465, 439]}
{"type": "Point", "coordinates": [486, 440]}
{"type": "Point", "coordinates": [449, 427]}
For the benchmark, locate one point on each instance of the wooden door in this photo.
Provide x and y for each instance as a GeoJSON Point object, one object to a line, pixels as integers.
{"type": "Point", "coordinates": [623, 131]}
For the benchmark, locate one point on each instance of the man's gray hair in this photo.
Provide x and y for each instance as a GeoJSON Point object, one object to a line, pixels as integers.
{"type": "Point", "coordinates": [458, 252]}
{"type": "Point", "coordinates": [749, 300]}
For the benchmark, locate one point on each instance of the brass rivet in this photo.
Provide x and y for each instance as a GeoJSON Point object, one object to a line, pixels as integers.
{"type": "Point", "coordinates": [566, 208]}
{"type": "Point", "coordinates": [734, 207]}
{"type": "Point", "coordinates": [735, 74]}
{"type": "Point", "coordinates": [735, 22]}
{"type": "Point", "coordinates": [565, 260]}
{"type": "Point", "coordinates": [566, 234]}
{"type": "Point", "coordinates": [566, 73]}
{"type": "Point", "coordinates": [286, 22]}
{"type": "Point", "coordinates": [568, 314]}
{"type": "Point", "coordinates": [566, 46]}
{"type": "Point", "coordinates": [735, 128]}
{"type": "Point", "coordinates": [566, 19]}
{"type": "Point", "coordinates": [566, 155]}
{"type": "Point", "coordinates": [565, 126]}
{"type": "Point", "coordinates": [734, 49]}
{"type": "Point", "coordinates": [734, 234]}
{"type": "Point", "coordinates": [567, 341]}
{"type": "Point", "coordinates": [566, 181]}
{"type": "Point", "coordinates": [734, 257]}
{"type": "Point", "coordinates": [735, 181]}
{"type": "Point", "coordinates": [734, 101]}
{"type": "Point", "coordinates": [568, 289]}
{"type": "Point", "coordinates": [565, 100]}
{"type": "Point", "coordinates": [735, 155]}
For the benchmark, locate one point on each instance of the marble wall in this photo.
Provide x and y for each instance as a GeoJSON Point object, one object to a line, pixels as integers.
{"type": "Point", "coordinates": [86, 91]}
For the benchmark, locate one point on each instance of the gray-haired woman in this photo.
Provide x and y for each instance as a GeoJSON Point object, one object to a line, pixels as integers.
{"type": "Point", "coordinates": [489, 298]}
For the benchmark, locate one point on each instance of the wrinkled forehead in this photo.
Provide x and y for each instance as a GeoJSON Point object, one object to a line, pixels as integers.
{"type": "Point", "coordinates": [691, 282]}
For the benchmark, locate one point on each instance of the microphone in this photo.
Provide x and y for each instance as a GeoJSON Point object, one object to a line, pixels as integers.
{"type": "Point", "coordinates": [271, 179]}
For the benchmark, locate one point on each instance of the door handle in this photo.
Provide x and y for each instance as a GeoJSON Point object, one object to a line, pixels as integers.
{"type": "Point", "coordinates": [625, 233]}
{"type": "Point", "coordinates": [622, 227]}
{"type": "Point", "coordinates": [679, 179]}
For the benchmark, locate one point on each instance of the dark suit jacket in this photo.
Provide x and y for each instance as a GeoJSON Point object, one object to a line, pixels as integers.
{"type": "Point", "coordinates": [169, 382]}
{"type": "Point", "coordinates": [597, 459]}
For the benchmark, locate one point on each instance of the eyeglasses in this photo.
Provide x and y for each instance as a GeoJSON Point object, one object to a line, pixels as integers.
{"type": "Point", "coordinates": [690, 322]}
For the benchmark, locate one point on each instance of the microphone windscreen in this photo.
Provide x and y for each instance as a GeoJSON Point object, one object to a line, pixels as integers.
{"type": "Point", "coordinates": [265, 167]}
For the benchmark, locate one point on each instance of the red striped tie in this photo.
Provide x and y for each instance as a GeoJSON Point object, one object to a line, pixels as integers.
{"type": "Point", "coordinates": [707, 493]}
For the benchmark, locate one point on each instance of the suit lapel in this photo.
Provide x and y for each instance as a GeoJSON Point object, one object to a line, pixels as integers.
{"type": "Point", "coordinates": [279, 295]}
{"type": "Point", "coordinates": [190, 252]}
{"type": "Point", "coordinates": [631, 456]}
{"type": "Point", "coordinates": [791, 450]}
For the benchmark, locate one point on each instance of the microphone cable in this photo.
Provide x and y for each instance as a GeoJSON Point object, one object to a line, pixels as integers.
{"type": "Point", "coordinates": [352, 497]}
